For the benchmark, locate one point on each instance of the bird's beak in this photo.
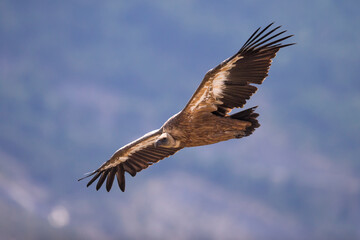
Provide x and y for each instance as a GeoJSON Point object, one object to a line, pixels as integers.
{"type": "Point", "coordinates": [156, 144]}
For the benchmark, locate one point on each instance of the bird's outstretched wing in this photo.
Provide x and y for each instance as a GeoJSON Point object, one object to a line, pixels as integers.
{"type": "Point", "coordinates": [131, 158]}
{"type": "Point", "coordinates": [228, 85]}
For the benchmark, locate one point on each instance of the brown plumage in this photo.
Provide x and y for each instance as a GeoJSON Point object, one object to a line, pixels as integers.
{"type": "Point", "coordinates": [206, 118]}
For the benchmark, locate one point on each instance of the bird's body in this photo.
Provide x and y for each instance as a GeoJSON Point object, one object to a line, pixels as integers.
{"type": "Point", "coordinates": [193, 132]}
{"type": "Point", "coordinates": [206, 118]}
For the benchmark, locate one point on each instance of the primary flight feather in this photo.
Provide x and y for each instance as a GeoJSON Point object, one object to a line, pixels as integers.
{"type": "Point", "coordinates": [206, 118]}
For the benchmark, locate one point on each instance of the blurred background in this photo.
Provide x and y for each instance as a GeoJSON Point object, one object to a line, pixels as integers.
{"type": "Point", "coordinates": [79, 79]}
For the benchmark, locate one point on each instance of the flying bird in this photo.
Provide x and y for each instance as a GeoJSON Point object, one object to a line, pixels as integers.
{"type": "Point", "coordinates": [206, 118]}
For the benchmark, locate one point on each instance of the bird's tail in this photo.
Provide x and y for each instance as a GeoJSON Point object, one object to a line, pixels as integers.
{"type": "Point", "coordinates": [250, 116]}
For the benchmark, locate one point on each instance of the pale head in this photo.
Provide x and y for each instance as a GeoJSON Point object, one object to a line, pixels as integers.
{"type": "Point", "coordinates": [167, 141]}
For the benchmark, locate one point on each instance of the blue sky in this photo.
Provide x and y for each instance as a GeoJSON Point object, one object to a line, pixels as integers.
{"type": "Point", "coordinates": [79, 79]}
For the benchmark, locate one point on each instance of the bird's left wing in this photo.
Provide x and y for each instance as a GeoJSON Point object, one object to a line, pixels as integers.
{"type": "Point", "coordinates": [230, 84]}
{"type": "Point", "coordinates": [131, 158]}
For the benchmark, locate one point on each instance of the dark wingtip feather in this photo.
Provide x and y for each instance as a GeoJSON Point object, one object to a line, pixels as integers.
{"type": "Point", "coordinates": [120, 176]}
{"type": "Point", "coordinates": [88, 175]}
{"type": "Point", "coordinates": [250, 39]}
{"type": "Point", "coordinates": [102, 179]}
{"type": "Point", "coordinates": [261, 40]}
{"type": "Point", "coordinates": [253, 38]}
{"type": "Point", "coordinates": [110, 179]}
{"type": "Point", "coordinates": [286, 45]}
{"type": "Point", "coordinates": [93, 179]}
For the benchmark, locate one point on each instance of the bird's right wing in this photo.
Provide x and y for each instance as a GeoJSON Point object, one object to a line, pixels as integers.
{"type": "Point", "coordinates": [131, 158]}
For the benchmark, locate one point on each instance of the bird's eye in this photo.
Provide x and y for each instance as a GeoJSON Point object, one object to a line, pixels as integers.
{"type": "Point", "coordinates": [164, 140]}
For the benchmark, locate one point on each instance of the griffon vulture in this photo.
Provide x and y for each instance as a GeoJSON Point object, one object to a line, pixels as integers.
{"type": "Point", "coordinates": [206, 119]}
